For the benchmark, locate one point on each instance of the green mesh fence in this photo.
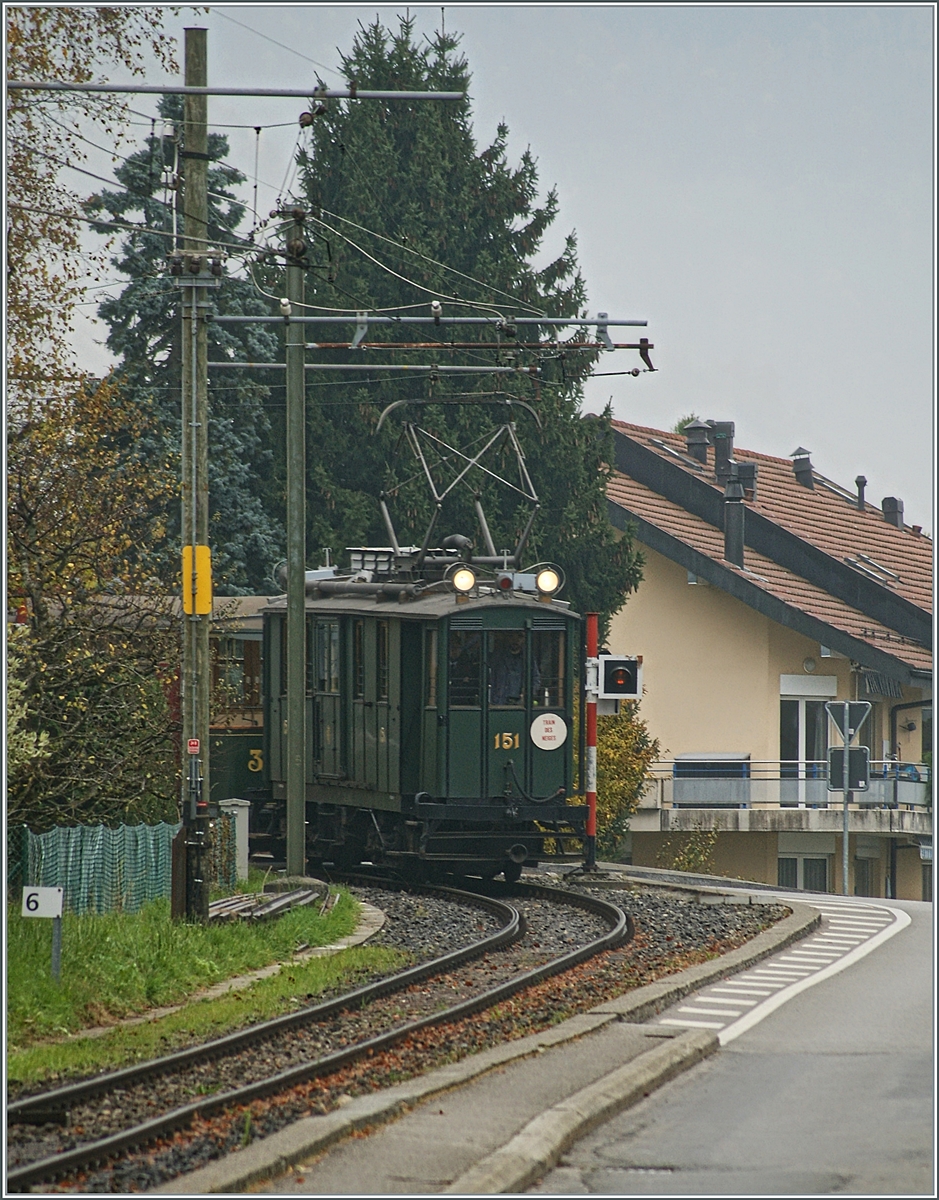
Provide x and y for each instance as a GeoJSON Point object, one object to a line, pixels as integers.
{"type": "Point", "coordinates": [113, 870]}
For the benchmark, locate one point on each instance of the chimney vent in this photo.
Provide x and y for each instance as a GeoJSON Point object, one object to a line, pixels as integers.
{"type": "Point", "coordinates": [861, 485]}
{"type": "Point", "coordinates": [917, 530]}
{"type": "Point", "coordinates": [696, 439]}
{"type": "Point", "coordinates": [893, 511]}
{"type": "Point", "coordinates": [722, 437]}
{"type": "Point", "coordinates": [734, 517]}
{"type": "Point", "coordinates": [802, 466]}
{"type": "Point", "coordinates": [746, 473]}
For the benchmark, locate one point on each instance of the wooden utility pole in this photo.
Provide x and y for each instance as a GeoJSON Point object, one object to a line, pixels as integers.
{"type": "Point", "coordinates": [296, 550]}
{"type": "Point", "coordinates": [194, 279]}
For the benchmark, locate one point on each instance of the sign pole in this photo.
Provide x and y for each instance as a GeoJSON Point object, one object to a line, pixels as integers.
{"type": "Point", "coordinates": [591, 689]}
{"type": "Point", "coordinates": [56, 948]}
{"type": "Point", "coordinates": [848, 716]}
{"type": "Point", "coordinates": [47, 902]}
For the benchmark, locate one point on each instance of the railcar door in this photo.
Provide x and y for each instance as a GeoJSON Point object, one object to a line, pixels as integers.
{"type": "Point", "coordinates": [549, 731]}
{"type": "Point", "coordinates": [508, 696]}
{"type": "Point", "coordinates": [464, 711]}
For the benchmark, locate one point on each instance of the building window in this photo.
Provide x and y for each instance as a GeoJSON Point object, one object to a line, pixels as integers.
{"type": "Point", "coordinates": [806, 874]}
{"type": "Point", "coordinates": [787, 872]}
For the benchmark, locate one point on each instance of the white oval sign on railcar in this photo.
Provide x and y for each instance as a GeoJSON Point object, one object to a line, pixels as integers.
{"type": "Point", "coordinates": [549, 731]}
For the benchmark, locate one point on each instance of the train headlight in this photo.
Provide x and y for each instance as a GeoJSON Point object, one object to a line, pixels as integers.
{"type": "Point", "coordinates": [548, 581]}
{"type": "Point", "coordinates": [463, 580]}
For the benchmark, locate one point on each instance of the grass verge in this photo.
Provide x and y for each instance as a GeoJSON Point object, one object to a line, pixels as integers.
{"type": "Point", "coordinates": [297, 985]}
{"type": "Point", "coordinates": [126, 963]}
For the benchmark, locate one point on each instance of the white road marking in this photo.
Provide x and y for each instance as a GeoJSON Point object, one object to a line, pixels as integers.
{"type": "Point", "coordinates": [710, 1012]}
{"type": "Point", "coordinates": [748, 1020]}
{"type": "Point", "coordinates": [695, 1024]}
{"type": "Point", "coordinates": [749, 989]}
{"type": "Point", "coordinates": [738, 1000]}
{"type": "Point", "coordinates": [780, 972]}
{"type": "Point", "coordinates": [849, 933]}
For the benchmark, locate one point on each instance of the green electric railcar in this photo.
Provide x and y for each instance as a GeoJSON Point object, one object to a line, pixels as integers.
{"type": "Point", "coordinates": [440, 725]}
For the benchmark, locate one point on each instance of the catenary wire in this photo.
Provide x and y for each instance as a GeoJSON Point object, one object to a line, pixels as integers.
{"type": "Point", "coordinates": [412, 283]}
{"type": "Point", "coordinates": [538, 312]}
{"type": "Point", "coordinates": [306, 58]}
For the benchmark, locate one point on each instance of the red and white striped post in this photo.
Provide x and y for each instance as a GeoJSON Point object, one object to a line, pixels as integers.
{"type": "Point", "coordinates": [591, 688]}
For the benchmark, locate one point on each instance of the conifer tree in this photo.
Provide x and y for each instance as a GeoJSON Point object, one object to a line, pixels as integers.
{"type": "Point", "coordinates": [144, 322]}
{"type": "Point", "coordinates": [405, 208]}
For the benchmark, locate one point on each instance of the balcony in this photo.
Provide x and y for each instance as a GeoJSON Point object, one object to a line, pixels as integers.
{"type": "Point", "coordinates": [737, 795]}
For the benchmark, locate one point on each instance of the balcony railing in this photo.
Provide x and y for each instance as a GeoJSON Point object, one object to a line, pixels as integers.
{"type": "Point", "coordinates": [743, 783]}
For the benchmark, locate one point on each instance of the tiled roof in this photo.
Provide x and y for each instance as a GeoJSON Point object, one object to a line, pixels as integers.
{"type": "Point", "coordinates": [826, 516]}
{"type": "Point", "coordinates": [820, 516]}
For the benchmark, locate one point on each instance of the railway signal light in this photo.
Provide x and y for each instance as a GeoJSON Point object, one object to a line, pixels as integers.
{"type": "Point", "coordinates": [620, 678]}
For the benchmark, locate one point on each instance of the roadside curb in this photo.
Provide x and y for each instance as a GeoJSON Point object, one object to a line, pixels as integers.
{"type": "Point", "coordinates": [555, 1129]}
{"type": "Point", "coordinates": [536, 1148]}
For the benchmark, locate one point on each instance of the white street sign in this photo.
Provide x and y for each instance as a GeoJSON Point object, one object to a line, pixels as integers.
{"type": "Point", "coordinates": [42, 901]}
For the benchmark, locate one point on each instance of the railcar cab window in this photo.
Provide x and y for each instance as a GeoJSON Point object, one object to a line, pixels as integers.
{"type": "Point", "coordinates": [465, 659]}
{"type": "Point", "coordinates": [382, 660]}
{"type": "Point", "coordinates": [547, 669]}
{"type": "Point", "coordinates": [327, 657]}
{"type": "Point", "coordinates": [358, 659]}
{"type": "Point", "coordinates": [430, 668]}
{"type": "Point", "coordinates": [507, 669]}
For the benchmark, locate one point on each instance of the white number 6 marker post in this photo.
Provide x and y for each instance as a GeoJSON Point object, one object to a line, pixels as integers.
{"type": "Point", "coordinates": [47, 902]}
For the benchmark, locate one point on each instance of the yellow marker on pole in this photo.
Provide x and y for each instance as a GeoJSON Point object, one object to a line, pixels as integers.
{"type": "Point", "coordinates": [197, 583]}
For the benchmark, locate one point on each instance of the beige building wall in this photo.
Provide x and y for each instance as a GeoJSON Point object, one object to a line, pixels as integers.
{"type": "Point", "coordinates": [712, 667]}
{"type": "Point", "coordinates": [750, 856]}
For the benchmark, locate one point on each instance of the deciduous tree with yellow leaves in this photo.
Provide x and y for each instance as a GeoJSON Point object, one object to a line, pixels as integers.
{"type": "Point", "coordinates": [93, 658]}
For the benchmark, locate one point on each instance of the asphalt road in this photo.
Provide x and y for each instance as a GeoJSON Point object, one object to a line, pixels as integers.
{"type": "Point", "coordinates": [832, 1093]}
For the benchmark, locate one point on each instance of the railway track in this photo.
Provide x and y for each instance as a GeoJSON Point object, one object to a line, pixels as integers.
{"type": "Point", "coordinates": [98, 1121]}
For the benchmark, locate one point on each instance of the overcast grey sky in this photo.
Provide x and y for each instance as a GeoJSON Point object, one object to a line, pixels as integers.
{"type": "Point", "coordinates": [756, 181]}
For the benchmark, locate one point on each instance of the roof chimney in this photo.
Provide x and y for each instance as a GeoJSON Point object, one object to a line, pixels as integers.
{"type": "Point", "coordinates": [861, 485]}
{"type": "Point", "coordinates": [696, 439]}
{"type": "Point", "coordinates": [734, 516]}
{"type": "Point", "coordinates": [802, 466]}
{"type": "Point", "coordinates": [893, 511]}
{"type": "Point", "coordinates": [722, 436]}
{"type": "Point", "coordinates": [746, 473]}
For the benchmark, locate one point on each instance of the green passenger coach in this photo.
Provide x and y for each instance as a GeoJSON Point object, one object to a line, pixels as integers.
{"type": "Point", "coordinates": [440, 723]}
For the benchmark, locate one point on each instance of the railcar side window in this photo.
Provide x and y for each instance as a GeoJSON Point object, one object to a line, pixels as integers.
{"type": "Point", "coordinates": [465, 663]}
{"type": "Point", "coordinates": [358, 659]}
{"type": "Point", "coordinates": [382, 660]}
{"type": "Point", "coordinates": [430, 667]}
{"type": "Point", "coordinates": [507, 668]}
{"type": "Point", "coordinates": [547, 669]}
{"type": "Point", "coordinates": [327, 656]}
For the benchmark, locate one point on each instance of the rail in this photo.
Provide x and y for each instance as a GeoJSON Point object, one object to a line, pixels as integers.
{"type": "Point", "coordinates": [780, 783]}
{"type": "Point", "coordinates": [53, 1105]}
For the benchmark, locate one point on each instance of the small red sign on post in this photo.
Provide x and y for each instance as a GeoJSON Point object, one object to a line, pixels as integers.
{"type": "Point", "coordinates": [193, 745]}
